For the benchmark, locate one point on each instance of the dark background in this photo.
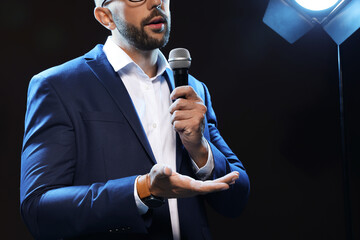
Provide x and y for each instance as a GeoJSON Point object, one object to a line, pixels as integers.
{"type": "Point", "coordinates": [277, 106]}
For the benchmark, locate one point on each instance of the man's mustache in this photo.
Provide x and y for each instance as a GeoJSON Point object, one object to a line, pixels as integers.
{"type": "Point", "coordinates": [155, 13]}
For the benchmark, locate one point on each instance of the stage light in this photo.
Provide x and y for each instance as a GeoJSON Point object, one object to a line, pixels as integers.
{"type": "Point", "coordinates": [291, 19]}
{"type": "Point", "coordinates": [317, 5]}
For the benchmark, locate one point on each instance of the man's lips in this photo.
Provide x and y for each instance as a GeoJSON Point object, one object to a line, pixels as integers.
{"type": "Point", "coordinates": [156, 22]}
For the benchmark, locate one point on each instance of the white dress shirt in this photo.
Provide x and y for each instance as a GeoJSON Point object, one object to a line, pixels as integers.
{"type": "Point", "coordinates": [151, 98]}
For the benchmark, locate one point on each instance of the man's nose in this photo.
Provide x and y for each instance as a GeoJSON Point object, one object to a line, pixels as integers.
{"type": "Point", "coordinates": [155, 3]}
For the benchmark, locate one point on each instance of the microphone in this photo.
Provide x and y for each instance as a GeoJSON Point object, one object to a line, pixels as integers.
{"type": "Point", "coordinates": [180, 61]}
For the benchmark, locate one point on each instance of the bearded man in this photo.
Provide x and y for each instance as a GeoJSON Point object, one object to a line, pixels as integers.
{"type": "Point", "coordinates": [112, 150]}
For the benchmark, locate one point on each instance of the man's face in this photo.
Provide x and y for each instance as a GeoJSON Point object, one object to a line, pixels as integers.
{"type": "Point", "coordinates": [142, 24]}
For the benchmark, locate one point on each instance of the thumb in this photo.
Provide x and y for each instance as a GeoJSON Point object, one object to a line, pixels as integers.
{"type": "Point", "coordinates": [161, 171]}
{"type": "Point", "coordinates": [166, 171]}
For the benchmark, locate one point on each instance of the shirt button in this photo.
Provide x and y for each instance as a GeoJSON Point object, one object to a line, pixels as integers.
{"type": "Point", "coordinates": [154, 125]}
{"type": "Point", "coordinates": [147, 87]}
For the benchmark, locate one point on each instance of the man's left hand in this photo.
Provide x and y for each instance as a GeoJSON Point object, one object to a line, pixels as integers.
{"type": "Point", "coordinates": [188, 114]}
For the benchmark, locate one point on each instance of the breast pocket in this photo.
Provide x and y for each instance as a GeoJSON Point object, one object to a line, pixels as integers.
{"type": "Point", "coordinates": [101, 134]}
{"type": "Point", "coordinates": [109, 142]}
{"type": "Point", "coordinates": [104, 129]}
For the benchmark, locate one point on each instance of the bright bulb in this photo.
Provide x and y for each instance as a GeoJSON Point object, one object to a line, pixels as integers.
{"type": "Point", "coordinates": [317, 5]}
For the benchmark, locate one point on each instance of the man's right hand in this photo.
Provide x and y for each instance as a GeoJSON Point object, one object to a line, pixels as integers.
{"type": "Point", "coordinates": [163, 182]}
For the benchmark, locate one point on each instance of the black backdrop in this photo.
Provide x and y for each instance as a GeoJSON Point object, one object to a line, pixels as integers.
{"type": "Point", "coordinates": [277, 106]}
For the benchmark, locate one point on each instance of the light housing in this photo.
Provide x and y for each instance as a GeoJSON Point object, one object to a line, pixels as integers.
{"type": "Point", "coordinates": [291, 20]}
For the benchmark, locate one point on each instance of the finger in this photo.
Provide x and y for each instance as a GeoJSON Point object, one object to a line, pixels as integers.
{"type": "Point", "coordinates": [183, 126]}
{"type": "Point", "coordinates": [211, 186]}
{"type": "Point", "coordinates": [186, 186]}
{"type": "Point", "coordinates": [183, 91]}
{"type": "Point", "coordinates": [182, 104]}
{"type": "Point", "coordinates": [228, 178]}
{"type": "Point", "coordinates": [167, 171]}
{"type": "Point", "coordinates": [232, 183]}
{"type": "Point", "coordinates": [186, 104]}
{"type": "Point", "coordinates": [182, 115]}
{"type": "Point", "coordinates": [161, 171]}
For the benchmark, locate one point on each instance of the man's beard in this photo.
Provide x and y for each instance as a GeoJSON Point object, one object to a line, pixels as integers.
{"type": "Point", "coordinates": [138, 37]}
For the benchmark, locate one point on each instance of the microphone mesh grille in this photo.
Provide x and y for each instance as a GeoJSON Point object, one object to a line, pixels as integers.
{"type": "Point", "coordinates": [179, 58]}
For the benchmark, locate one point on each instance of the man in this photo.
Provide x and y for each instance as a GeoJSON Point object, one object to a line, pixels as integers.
{"type": "Point", "coordinates": [112, 151]}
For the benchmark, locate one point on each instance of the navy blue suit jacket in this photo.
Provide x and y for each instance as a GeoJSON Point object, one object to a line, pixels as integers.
{"type": "Point", "coordinates": [83, 147]}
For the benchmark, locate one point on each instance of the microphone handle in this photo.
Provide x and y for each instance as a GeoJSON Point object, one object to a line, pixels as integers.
{"type": "Point", "coordinates": [181, 76]}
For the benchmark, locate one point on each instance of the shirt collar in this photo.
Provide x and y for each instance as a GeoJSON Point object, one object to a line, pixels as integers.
{"type": "Point", "coordinates": [119, 59]}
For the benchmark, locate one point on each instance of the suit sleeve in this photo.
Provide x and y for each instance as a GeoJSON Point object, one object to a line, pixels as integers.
{"type": "Point", "coordinates": [231, 202]}
{"type": "Point", "coordinates": [51, 206]}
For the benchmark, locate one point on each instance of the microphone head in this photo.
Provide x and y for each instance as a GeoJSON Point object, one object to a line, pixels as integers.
{"type": "Point", "coordinates": [179, 58]}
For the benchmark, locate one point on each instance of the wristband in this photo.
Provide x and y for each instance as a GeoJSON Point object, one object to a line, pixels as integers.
{"type": "Point", "coordinates": [143, 190]}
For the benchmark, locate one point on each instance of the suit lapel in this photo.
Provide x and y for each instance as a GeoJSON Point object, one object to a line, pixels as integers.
{"type": "Point", "coordinates": [97, 61]}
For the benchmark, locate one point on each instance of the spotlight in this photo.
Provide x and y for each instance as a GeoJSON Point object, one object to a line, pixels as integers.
{"type": "Point", "coordinates": [292, 19]}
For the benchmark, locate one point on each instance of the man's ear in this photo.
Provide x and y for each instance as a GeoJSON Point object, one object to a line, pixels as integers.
{"type": "Point", "coordinates": [104, 17]}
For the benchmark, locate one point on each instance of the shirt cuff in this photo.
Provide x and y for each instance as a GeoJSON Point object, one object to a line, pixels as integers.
{"type": "Point", "coordinates": [142, 208]}
{"type": "Point", "coordinates": [205, 172]}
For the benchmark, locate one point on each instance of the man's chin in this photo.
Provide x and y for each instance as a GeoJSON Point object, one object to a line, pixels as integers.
{"type": "Point", "coordinates": [152, 45]}
{"type": "Point", "coordinates": [157, 40]}
{"type": "Point", "coordinates": [151, 38]}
